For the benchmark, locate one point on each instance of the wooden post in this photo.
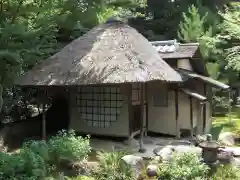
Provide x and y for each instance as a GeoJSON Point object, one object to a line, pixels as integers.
{"type": "Point", "coordinates": [191, 115]}
{"type": "Point", "coordinates": [130, 114]}
{"type": "Point", "coordinates": [202, 118]}
{"type": "Point", "coordinates": [177, 115]}
{"type": "Point", "coordinates": [204, 110]}
{"type": "Point", "coordinates": [44, 134]}
{"type": "Point", "coordinates": [142, 149]}
{"type": "Point", "coordinates": [146, 109]}
{"type": "Point", "coordinates": [230, 105]}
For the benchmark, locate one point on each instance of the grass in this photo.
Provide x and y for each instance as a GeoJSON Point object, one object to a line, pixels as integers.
{"type": "Point", "coordinates": [225, 124]}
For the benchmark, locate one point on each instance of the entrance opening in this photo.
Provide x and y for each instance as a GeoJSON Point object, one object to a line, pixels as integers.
{"type": "Point", "coordinates": [136, 111]}
{"type": "Point", "coordinates": [57, 116]}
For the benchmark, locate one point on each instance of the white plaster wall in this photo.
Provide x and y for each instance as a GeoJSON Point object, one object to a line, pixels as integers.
{"type": "Point", "coordinates": [119, 128]}
{"type": "Point", "coordinates": [195, 112]}
{"type": "Point", "coordinates": [184, 64]}
{"type": "Point", "coordinates": [184, 111]}
{"type": "Point", "coordinates": [208, 118]}
{"type": "Point", "coordinates": [161, 119]}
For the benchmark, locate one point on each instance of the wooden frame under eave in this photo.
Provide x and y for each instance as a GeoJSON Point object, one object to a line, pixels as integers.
{"type": "Point", "coordinates": [191, 116]}
{"type": "Point", "coordinates": [129, 91]}
{"type": "Point", "coordinates": [177, 114]}
{"type": "Point", "coordinates": [204, 108]}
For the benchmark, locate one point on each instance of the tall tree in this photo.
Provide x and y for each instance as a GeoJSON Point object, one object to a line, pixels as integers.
{"type": "Point", "coordinates": [192, 28]}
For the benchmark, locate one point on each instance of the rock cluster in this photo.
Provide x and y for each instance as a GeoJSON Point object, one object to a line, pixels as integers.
{"type": "Point", "coordinates": [228, 155]}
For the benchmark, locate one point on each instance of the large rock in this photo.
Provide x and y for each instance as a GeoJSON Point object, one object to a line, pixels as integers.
{"type": "Point", "coordinates": [235, 151]}
{"type": "Point", "coordinates": [152, 170]}
{"type": "Point", "coordinates": [131, 142]}
{"type": "Point", "coordinates": [136, 162]}
{"type": "Point", "coordinates": [182, 149]}
{"type": "Point", "coordinates": [165, 153]}
{"type": "Point", "coordinates": [225, 157]}
{"type": "Point", "coordinates": [227, 138]}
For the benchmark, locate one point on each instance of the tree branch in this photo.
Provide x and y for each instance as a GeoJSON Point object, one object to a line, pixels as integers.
{"type": "Point", "coordinates": [17, 11]}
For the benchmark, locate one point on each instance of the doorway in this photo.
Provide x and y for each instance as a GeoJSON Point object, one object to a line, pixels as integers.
{"type": "Point", "coordinates": [57, 116]}
{"type": "Point", "coordinates": [136, 118]}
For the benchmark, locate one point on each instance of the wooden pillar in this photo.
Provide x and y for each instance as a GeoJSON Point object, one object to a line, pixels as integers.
{"type": "Point", "coordinates": [44, 133]}
{"type": "Point", "coordinates": [204, 108]}
{"type": "Point", "coordinates": [191, 116]}
{"type": "Point", "coordinates": [130, 114]}
{"type": "Point", "coordinates": [146, 109]}
{"type": "Point", "coordinates": [202, 118]}
{"type": "Point", "coordinates": [142, 149]}
{"type": "Point", "coordinates": [230, 105]}
{"type": "Point", "coordinates": [177, 115]}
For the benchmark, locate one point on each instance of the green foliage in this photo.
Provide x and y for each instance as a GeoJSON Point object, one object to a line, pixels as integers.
{"type": "Point", "coordinates": [231, 34]}
{"type": "Point", "coordinates": [186, 167]}
{"type": "Point", "coordinates": [1, 97]}
{"type": "Point", "coordinates": [25, 165]}
{"type": "Point", "coordinates": [68, 146]}
{"type": "Point", "coordinates": [191, 28]}
{"type": "Point", "coordinates": [81, 178]}
{"type": "Point", "coordinates": [39, 159]}
{"type": "Point", "coordinates": [194, 27]}
{"type": "Point", "coordinates": [226, 173]}
{"type": "Point", "coordinates": [112, 167]}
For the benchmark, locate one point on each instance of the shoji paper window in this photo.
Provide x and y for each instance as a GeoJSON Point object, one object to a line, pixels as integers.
{"type": "Point", "coordinates": [99, 106]}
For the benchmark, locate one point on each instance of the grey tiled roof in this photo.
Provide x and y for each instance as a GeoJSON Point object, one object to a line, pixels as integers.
{"type": "Point", "coordinates": [172, 49]}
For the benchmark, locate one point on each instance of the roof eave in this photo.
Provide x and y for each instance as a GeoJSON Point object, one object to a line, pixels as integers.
{"type": "Point", "coordinates": [206, 79]}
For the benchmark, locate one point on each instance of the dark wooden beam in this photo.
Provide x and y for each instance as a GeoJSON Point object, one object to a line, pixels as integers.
{"type": "Point", "coordinates": [177, 114]}
{"type": "Point", "coordinates": [204, 107]}
{"type": "Point", "coordinates": [44, 132]}
{"type": "Point", "coordinates": [130, 114]}
{"type": "Point", "coordinates": [146, 107]}
{"type": "Point", "coordinates": [191, 115]}
{"type": "Point", "coordinates": [142, 149]}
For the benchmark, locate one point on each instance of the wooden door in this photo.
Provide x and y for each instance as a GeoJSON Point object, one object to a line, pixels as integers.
{"type": "Point", "coordinates": [136, 117]}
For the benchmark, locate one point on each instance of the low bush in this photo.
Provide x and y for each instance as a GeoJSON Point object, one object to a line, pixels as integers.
{"type": "Point", "coordinates": [226, 173]}
{"type": "Point", "coordinates": [185, 167]}
{"type": "Point", "coordinates": [112, 167]}
{"type": "Point", "coordinates": [67, 146]}
{"type": "Point", "coordinates": [23, 166]}
{"type": "Point", "coordinates": [38, 159]}
{"type": "Point", "coordinates": [81, 178]}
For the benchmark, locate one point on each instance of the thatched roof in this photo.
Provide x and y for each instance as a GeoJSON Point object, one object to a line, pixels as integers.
{"type": "Point", "coordinates": [110, 53]}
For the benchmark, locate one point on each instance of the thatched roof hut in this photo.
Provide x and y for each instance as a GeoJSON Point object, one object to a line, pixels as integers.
{"type": "Point", "coordinates": [110, 53]}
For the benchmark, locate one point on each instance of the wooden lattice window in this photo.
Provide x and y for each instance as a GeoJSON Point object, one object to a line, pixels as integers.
{"type": "Point", "coordinates": [136, 92]}
{"type": "Point", "coordinates": [99, 106]}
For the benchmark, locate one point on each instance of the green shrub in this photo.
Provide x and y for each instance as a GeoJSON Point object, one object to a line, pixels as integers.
{"type": "Point", "coordinates": [67, 146]}
{"type": "Point", "coordinates": [10, 165]}
{"type": "Point", "coordinates": [112, 167]}
{"type": "Point", "coordinates": [34, 165]}
{"type": "Point", "coordinates": [226, 173]}
{"type": "Point", "coordinates": [187, 166]}
{"type": "Point", "coordinates": [38, 147]}
{"type": "Point", "coordinates": [22, 166]}
{"type": "Point", "coordinates": [38, 159]}
{"type": "Point", "coordinates": [81, 178]}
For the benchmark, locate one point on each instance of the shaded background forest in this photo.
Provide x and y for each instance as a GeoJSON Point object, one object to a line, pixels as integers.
{"type": "Point", "coordinates": [32, 30]}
